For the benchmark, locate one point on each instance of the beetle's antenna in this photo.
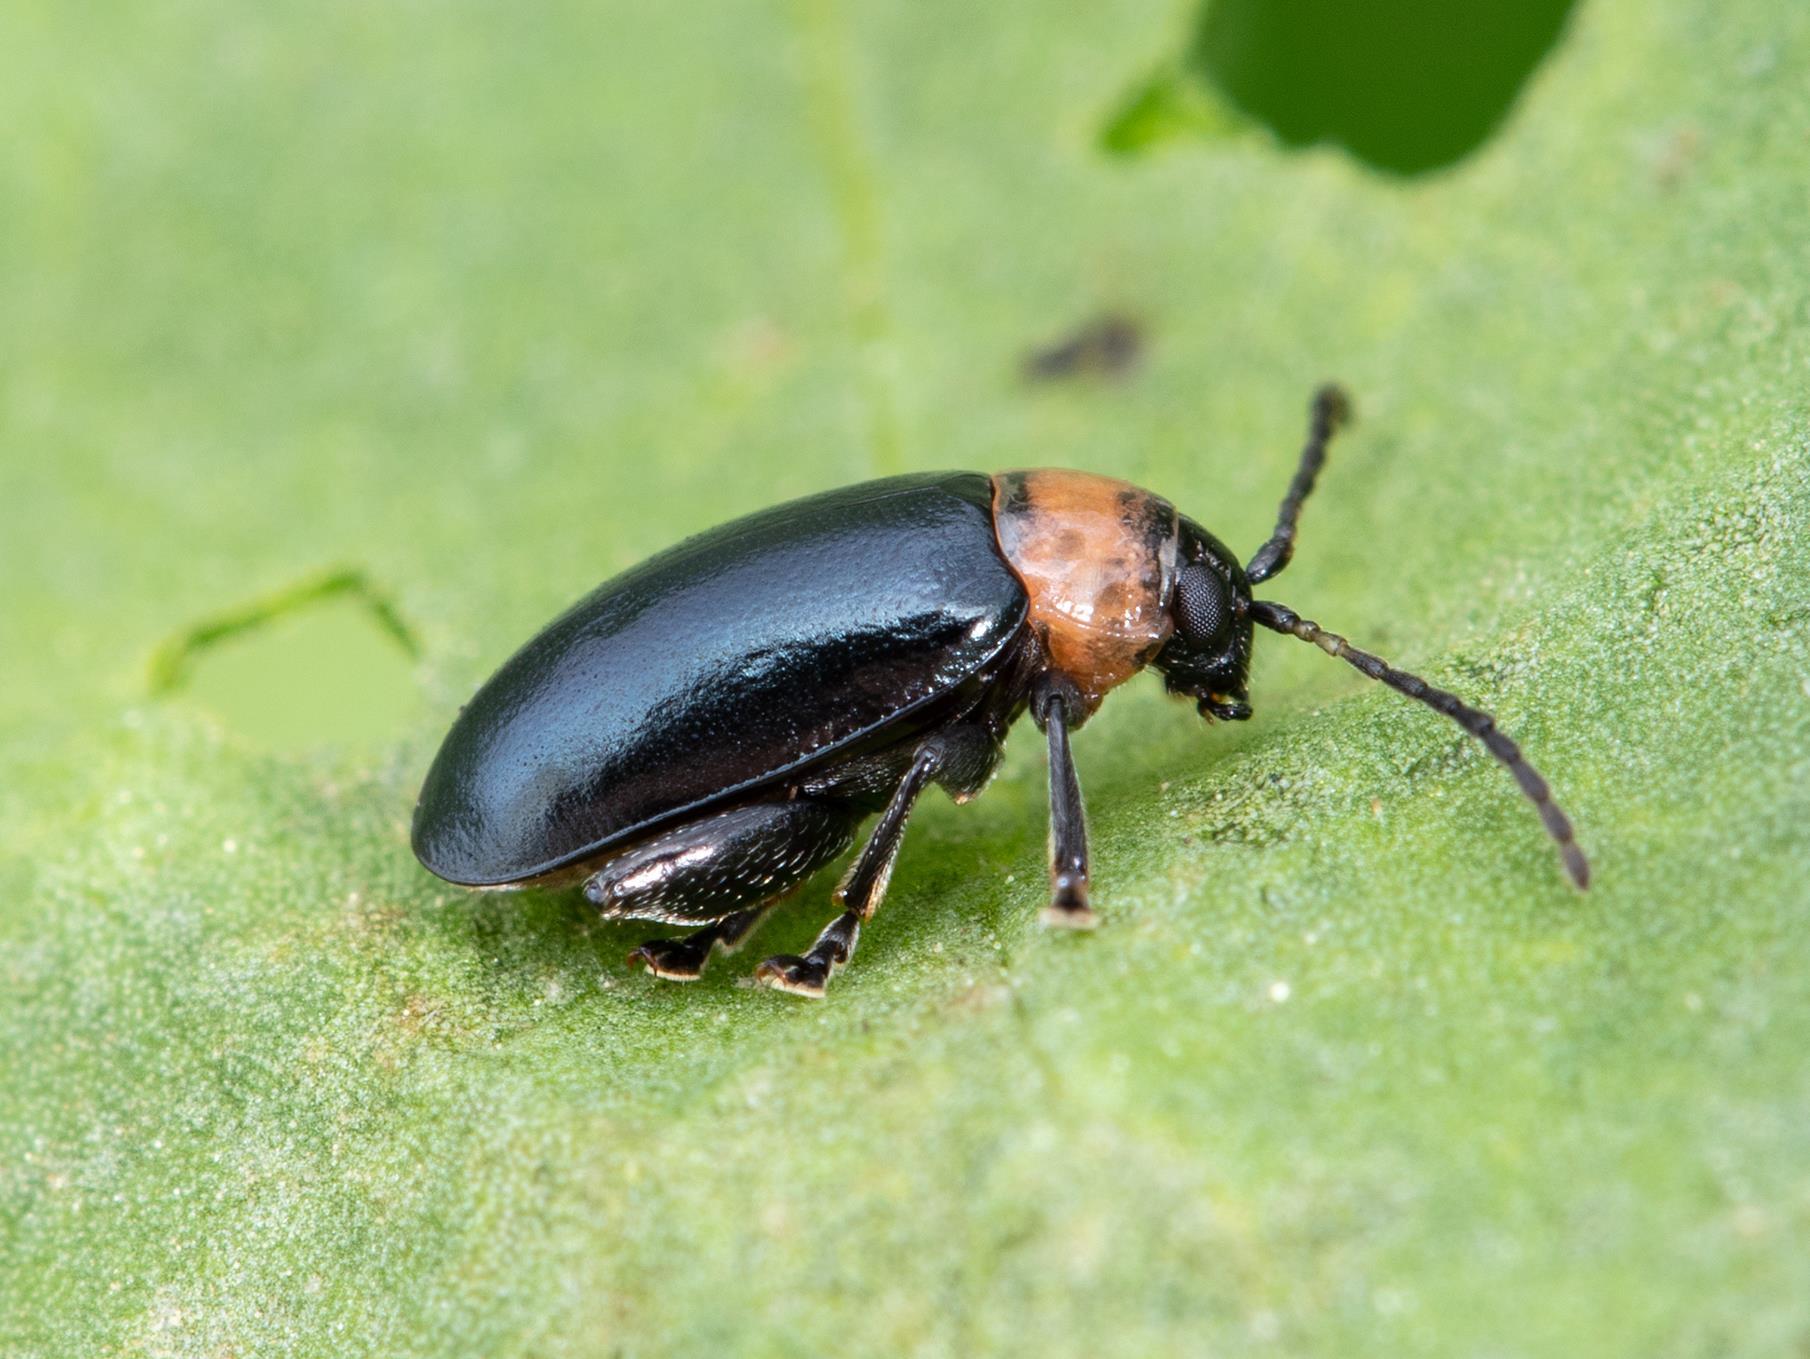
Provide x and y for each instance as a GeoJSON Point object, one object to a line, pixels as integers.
{"type": "Point", "coordinates": [1331, 409]}
{"type": "Point", "coordinates": [1478, 723]}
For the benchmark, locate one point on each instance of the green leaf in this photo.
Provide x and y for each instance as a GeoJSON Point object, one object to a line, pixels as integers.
{"type": "Point", "coordinates": [1407, 86]}
{"type": "Point", "coordinates": [1171, 105]}
{"type": "Point", "coordinates": [483, 305]}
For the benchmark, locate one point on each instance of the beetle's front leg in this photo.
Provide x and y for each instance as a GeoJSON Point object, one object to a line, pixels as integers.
{"type": "Point", "coordinates": [1051, 708]}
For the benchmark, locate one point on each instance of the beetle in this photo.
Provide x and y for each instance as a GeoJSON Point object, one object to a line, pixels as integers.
{"type": "Point", "coordinates": [696, 737]}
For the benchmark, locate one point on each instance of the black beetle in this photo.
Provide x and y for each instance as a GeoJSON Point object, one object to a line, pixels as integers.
{"type": "Point", "coordinates": [696, 737]}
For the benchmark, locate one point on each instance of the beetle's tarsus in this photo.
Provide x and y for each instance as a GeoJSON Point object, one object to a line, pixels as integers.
{"type": "Point", "coordinates": [684, 958]}
{"type": "Point", "coordinates": [794, 975]}
{"type": "Point", "coordinates": [671, 959]}
{"type": "Point", "coordinates": [810, 975]}
{"type": "Point", "coordinates": [1068, 908]}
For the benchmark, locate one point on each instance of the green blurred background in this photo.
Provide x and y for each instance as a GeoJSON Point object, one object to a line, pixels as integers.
{"type": "Point", "coordinates": [342, 344]}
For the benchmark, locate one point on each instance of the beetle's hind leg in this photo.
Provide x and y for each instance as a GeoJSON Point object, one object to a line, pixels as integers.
{"type": "Point", "coordinates": [723, 871]}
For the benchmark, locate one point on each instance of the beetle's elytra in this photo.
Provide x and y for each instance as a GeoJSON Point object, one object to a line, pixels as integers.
{"type": "Point", "coordinates": [696, 737]}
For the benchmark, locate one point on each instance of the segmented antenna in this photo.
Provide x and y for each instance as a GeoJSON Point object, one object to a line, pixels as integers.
{"type": "Point", "coordinates": [1330, 410]}
{"type": "Point", "coordinates": [1280, 618]}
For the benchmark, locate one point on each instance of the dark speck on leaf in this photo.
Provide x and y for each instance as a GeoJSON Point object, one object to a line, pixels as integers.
{"type": "Point", "coordinates": [1107, 346]}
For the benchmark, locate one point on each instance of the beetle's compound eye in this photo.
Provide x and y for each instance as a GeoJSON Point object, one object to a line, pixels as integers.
{"type": "Point", "coordinates": [1202, 611]}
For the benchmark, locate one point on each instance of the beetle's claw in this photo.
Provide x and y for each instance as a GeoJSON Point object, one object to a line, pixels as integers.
{"type": "Point", "coordinates": [794, 975]}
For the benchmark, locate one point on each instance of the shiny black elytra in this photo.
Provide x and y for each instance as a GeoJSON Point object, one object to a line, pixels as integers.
{"type": "Point", "coordinates": [696, 737]}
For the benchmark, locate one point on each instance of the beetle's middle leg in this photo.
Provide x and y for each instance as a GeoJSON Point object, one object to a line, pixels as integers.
{"type": "Point", "coordinates": [723, 871]}
{"type": "Point", "coordinates": [962, 758]}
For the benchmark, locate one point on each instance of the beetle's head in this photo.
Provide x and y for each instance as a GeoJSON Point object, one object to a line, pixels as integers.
{"type": "Point", "coordinates": [1208, 656]}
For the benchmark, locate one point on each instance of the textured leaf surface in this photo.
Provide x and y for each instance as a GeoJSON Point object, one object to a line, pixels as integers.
{"type": "Point", "coordinates": [482, 305]}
